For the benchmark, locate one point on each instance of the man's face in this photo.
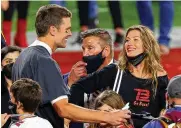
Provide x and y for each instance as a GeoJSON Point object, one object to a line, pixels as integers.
{"type": "Point", "coordinates": [91, 46]}
{"type": "Point", "coordinates": [10, 58]}
{"type": "Point", "coordinates": [63, 33]}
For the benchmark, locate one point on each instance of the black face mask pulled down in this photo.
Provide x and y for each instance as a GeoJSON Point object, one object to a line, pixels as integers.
{"type": "Point", "coordinates": [7, 70]}
{"type": "Point", "coordinates": [93, 62]}
{"type": "Point", "coordinates": [135, 61]}
{"type": "Point", "coordinates": [12, 107]}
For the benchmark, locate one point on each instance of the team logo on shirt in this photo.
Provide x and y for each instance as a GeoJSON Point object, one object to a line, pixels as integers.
{"type": "Point", "coordinates": [142, 97]}
{"type": "Point", "coordinates": [19, 123]}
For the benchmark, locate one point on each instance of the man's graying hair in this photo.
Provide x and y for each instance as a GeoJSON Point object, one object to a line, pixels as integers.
{"type": "Point", "coordinates": [101, 33]}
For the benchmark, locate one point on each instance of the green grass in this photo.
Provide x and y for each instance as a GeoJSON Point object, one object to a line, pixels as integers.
{"type": "Point", "coordinates": [129, 12]}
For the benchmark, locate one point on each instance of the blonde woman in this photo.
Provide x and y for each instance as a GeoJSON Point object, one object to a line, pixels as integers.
{"type": "Point", "coordinates": [141, 78]}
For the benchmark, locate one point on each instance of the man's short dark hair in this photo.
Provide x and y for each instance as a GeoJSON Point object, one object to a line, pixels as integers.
{"type": "Point", "coordinates": [101, 33]}
{"type": "Point", "coordinates": [9, 49]}
{"type": "Point", "coordinates": [50, 15]}
{"type": "Point", "coordinates": [27, 92]}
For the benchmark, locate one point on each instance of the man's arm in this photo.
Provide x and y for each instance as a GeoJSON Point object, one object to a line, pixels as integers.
{"type": "Point", "coordinates": [95, 81]}
{"type": "Point", "coordinates": [76, 113]}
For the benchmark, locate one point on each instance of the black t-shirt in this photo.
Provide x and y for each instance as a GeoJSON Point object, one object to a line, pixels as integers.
{"type": "Point", "coordinates": [138, 92]}
{"type": "Point", "coordinates": [36, 63]}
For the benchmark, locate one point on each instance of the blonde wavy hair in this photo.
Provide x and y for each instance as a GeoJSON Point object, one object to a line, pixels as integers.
{"type": "Point", "coordinates": [151, 48]}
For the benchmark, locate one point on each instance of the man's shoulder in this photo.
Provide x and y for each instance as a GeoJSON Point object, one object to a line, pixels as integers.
{"type": "Point", "coordinates": [30, 49]}
{"type": "Point", "coordinates": [29, 52]}
{"type": "Point", "coordinates": [37, 52]}
{"type": "Point", "coordinates": [111, 66]}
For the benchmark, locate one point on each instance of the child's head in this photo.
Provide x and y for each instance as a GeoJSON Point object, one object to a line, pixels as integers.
{"type": "Point", "coordinates": [26, 94]}
{"type": "Point", "coordinates": [109, 100]}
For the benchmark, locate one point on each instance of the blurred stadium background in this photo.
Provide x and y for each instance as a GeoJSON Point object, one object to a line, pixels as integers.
{"type": "Point", "coordinates": [70, 55]}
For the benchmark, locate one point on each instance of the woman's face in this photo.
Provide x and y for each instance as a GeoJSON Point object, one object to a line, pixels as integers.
{"type": "Point", "coordinates": [10, 58]}
{"type": "Point", "coordinates": [133, 44]}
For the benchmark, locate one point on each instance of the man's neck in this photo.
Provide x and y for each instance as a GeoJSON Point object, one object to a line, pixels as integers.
{"type": "Point", "coordinates": [177, 101]}
{"type": "Point", "coordinates": [48, 41]}
{"type": "Point", "coordinates": [105, 63]}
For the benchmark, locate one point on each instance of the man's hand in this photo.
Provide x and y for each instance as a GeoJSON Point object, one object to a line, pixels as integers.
{"type": "Point", "coordinates": [4, 5]}
{"type": "Point", "coordinates": [4, 118]}
{"type": "Point", "coordinates": [77, 71]}
{"type": "Point", "coordinates": [66, 123]}
{"type": "Point", "coordinates": [117, 117]}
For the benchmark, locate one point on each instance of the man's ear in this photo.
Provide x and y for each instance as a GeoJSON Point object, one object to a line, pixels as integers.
{"type": "Point", "coordinates": [166, 96]}
{"type": "Point", "coordinates": [106, 51]}
{"type": "Point", "coordinates": [52, 30]}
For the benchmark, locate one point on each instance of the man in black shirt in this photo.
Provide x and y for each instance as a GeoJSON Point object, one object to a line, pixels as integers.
{"type": "Point", "coordinates": [97, 50]}
{"type": "Point", "coordinates": [53, 27]}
